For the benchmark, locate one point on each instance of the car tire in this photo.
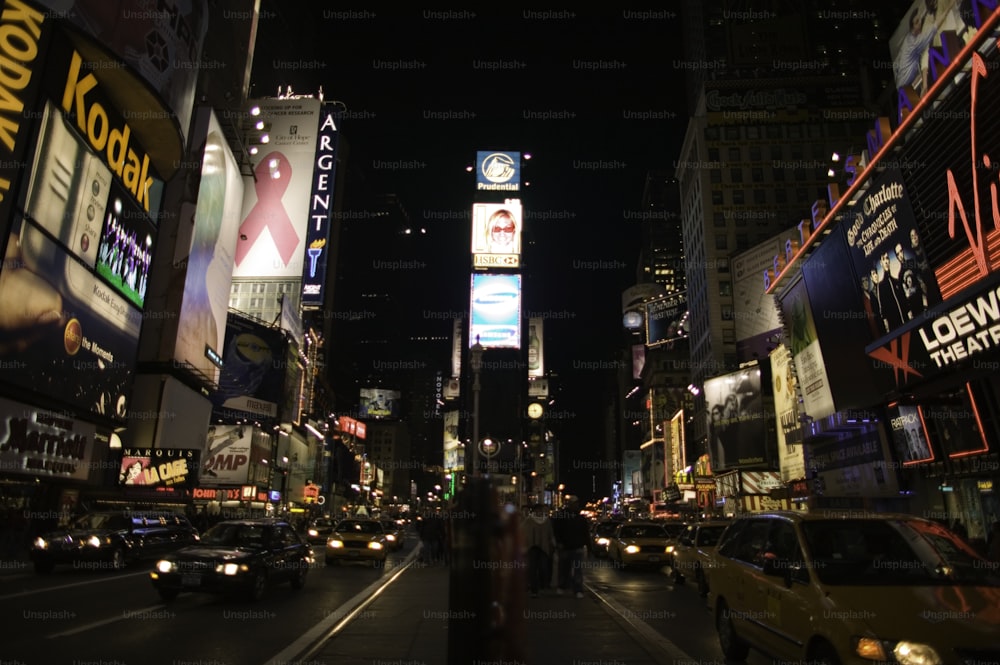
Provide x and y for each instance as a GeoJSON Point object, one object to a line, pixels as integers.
{"type": "Point", "coordinates": [118, 559]}
{"type": "Point", "coordinates": [299, 578]}
{"type": "Point", "coordinates": [825, 654]}
{"type": "Point", "coordinates": [732, 646]}
{"type": "Point", "coordinates": [168, 595]}
{"type": "Point", "coordinates": [44, 567]}
{"type": "Point", "coordinates": [258, 586]}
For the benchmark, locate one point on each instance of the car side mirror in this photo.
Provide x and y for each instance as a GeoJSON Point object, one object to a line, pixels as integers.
{"type": "Point", "coordinates": [773, 565]}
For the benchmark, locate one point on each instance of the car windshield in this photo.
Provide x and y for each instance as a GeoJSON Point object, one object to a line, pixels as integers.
{"type": "Point", "coordinates": [708, 536]}
{"type": "Point", "coordinates": [605, 529]}
{"type": "Point", "coordinates": [642, 531]}
{"type": "Point", "coordinates": [882, 552]}
{"type": "Point", "coordinates": [674, 530]}
{"type": "Point", "coordinates": [359, 526]}
{"type": "Point", "coordinates": [101, 521]}
{"type": "Point", "coordinates": [322, 523]}
{"type": "Point", "coordinates": [235, 535]}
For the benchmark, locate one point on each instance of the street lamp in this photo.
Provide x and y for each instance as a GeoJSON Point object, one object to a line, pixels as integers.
{"type": "Point", "coordinates": [477, 366]}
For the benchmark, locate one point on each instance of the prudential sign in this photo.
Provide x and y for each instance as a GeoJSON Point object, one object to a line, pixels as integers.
{"type": "Point", "coordinates": [498, 171]}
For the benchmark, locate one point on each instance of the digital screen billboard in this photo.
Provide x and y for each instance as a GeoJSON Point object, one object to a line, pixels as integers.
{"type": "Point", "coordinates": [498, 171]}
{"type": "Point", "coordinates": [276, 203]}
{"type": "Point", "coordinates": [666, 319]}
{"type": "Point", "coordinates": [159, 467]}
{"type": "Point", "coordinates": [737, 426]}
{"type": "Point", "coordinates": [495, 311]}
{"type": "Point", "coordinates": [214, 222]}
{"type": "Point", "coordinates": [496, 234]}
{"type": "Point", "coordinates": [379, 403]}
{"type": "Point", "coordinates": [921, 30]}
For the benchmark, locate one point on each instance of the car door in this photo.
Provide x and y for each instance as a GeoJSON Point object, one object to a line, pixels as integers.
{"type": "Point", "coordinates": [742, 583]}
{"type": "Point", "coordinates": [784, 586]}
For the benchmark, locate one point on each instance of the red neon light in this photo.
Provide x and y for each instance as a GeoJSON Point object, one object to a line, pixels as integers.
{"type": "Point", "coordinates": [985, 31]}
{"type": "Point", "coordinates": [979, 426]}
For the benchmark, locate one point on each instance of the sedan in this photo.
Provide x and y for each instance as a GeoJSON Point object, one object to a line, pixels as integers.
{"type": "Point", "coordinates": [601, 535]}
{"type": "Point", "coordinates": [693, 551]}
{"type": "Point", "coordinates": [639, 543]}
{"type": "Point", "coordinates": [357, 540]}
{"type": "Point", "coordinates": [319, 530]}
{"type": "Point", "coordinates": [236, 556]}
{"type": "Point", "coordinates": [395, 533]}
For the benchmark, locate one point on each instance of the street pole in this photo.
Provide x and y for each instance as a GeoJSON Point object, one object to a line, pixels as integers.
{"type": "Point", "coordinates": [477, 366]}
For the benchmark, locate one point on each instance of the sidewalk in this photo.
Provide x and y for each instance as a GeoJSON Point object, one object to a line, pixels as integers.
{"type": "Point", "coordinates": [408, 623]}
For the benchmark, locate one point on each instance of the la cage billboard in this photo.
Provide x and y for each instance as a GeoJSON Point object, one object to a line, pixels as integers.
{"type": "Point", "coordinates": [498, 171]}
{"type": "Point", "coordinates": [495, 311]}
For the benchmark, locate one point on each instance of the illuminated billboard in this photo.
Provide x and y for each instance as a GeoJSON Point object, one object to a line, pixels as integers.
{"type": "Point", "coordinates": [807, 355]}
{"type": "Point", "coordinates": [909, 433]}
{"type": "Point", "coordinates": [454, 452]}
{"type": "Point", "coordinates": [784, 385]}
{"type": "Point", "coordinates": [318, 240]}
{"type": "Point", "coordinates": [737, 426]}
{"type": "Point", "coordinates": [498, 171]}
{"type": "Point", "coordinates": [496, 234]}
{"type": "Point", "coordinates": [159, 467]}
{"type": "Point", "coordinates": [252, 381]}
{"type": "Point", "coordinates": [536, 347]}
{"type": "Point", "coordinates": [666, 319]}
{"type": "Point", "coordinates": [227, 455]}
{"type": "Point", "coordinates": [67, 449]}
{"type": "Point", "coordinates": [379, 403]}
{"type": "Point", "coordinates": [276, 203]}
{"type": "Point", "coordinates": [495, 311]}
{"type": "Point", "coordinates": [213, 221]}
{"type": "Point", "coordinates": [929, 28]}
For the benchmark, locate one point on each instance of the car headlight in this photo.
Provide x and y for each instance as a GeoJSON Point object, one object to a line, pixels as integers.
{"type": "Point", "coordinates": [94, 541]}
{"type": "Point", "coordinates": [391, 538]}
{"type": "Point", "coordinates": [669, 549]}
{"type": "Point", "coordinates": [313, 532]}
{"type": "Point", "coordinates": [165, 566]}
{"type": "Point", "coordinates": [905, 652]}
{"type": "Point", "coordinates": [632, 549]}
{"type": "Point", "coordinates": [232, 568]}
{"type": "Point", "coordinates": [41, 543]}
{"type": "Point", "coordinates": [603, 542]}
{"type": "Point", "coordinates": [374, 546]}
{"type": "Point", "coordinates": [335, 544]}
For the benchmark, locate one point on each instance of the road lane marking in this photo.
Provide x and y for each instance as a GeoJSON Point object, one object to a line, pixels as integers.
{"type": "Point", "coordinates": [670, 652]}
{"type": "Point", "coordinates": [319, 634]}
{"type": "Point", "coordinates": [71, 585]}
{"type": "Point", "coordinates": [126, 614]}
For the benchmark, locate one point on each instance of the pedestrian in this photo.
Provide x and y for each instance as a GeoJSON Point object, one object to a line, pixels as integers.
{"type": "Point", "coordinates": [572, 534]}
{"type": "Point", "coordinates": [433, 536]}
{"type": "Point", "coordinates": [538, 541]}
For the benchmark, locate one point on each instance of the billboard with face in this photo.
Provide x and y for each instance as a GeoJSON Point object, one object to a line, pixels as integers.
{"type": "Point", "coordinates": [928, 24]}
{"type": "Point", "coordinates": [214, 221]}
{"type": "Point", "coordinates": [378, 403]}
{"type": "Point", "coordinates": [252, 380]}
{"type": "Point", "coordinates": [276, 203]}
{"type": "Point", "coordinates": [496, 234]}
{"type": "Point", "coordinates": [737, 426]}
{"type": "Point", "coordinates": [495, 314]}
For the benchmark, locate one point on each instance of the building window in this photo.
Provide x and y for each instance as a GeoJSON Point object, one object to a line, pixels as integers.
{"type": "Point", "coordinates": [794, 131]}
{"type": "Point", "coordinates": [778, 174]}
{"type": "Point", "coordinates": [738, 196]}
{"type": "Point", "coordinates": [757, 174]}
{"type": "Point", "coordinates": [759, 196]}
{"type": "Point", "coordinates": [734, 155]}
{"type": "Point", "coordinates": [712, 133]}
{"type": "Point", "coordinates": [755, 153]}
{"type": "Point", "coordinates": [780, 196]}
{"type": "Point", "coordinates": [732, 133]}
{"type": "Point", "coordinates": [717, 197]}
{"type": "Point", "coordinates": [742, 241]}
{"type": "Point", "coordinates": [753, 132]}
{"type": "Point", "coordinates": [728, 336]}
{"type": "Point", "coordinates": [727, 312]}
{"type": "Point", "coordinates": [721, 242]}
{"type": "Point", "coordinates": [726, 288]}
{"type": "Point", "coordinates": [713, 154]}
{"type": "Point", "coordinates": [774, 131]}
{"type": "Point", "coordinates": [715, 175]}
{"type": "Point", "coordinates": [719, 219]}
{"type": "Point", "coordinates": [736, 175]}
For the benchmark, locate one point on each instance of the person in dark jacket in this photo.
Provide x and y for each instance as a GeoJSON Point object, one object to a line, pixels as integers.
{"type": "Point", "coordinates": [572, 533]}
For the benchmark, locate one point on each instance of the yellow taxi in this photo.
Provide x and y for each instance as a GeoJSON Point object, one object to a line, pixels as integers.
{"type": "Point", "coordinates": [639, 544]}
{"type": "Point", "coordinates": [357, 540]}
{"type": "Point", "coordinates": [853, 589]}
{"type": "Point", "coordinates": [693, 550]}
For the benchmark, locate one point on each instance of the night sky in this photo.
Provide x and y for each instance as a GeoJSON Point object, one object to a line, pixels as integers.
{"type": "Point", "coordinates": [595, 97]}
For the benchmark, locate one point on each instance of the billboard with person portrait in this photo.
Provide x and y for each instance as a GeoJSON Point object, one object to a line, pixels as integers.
{"type": "Point", "coordinates": [737, 426]}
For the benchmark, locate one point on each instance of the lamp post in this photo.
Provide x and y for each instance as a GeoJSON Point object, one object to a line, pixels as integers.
{"type": "Point", "coordinates": [477, 366]}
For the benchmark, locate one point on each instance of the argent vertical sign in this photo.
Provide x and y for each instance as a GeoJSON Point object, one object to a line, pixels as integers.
{"type": "Point", "coordinates": [320, 208]}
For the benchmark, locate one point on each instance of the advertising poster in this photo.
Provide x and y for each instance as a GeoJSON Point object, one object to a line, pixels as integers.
{"type": "Point", "coordinates": [676, 451]}
{"type": "Point", "coordinates": [666, 318]}
{"type": "Point", "coordinates": [43, 443]}
{"type": "Point", "coordinates": [454, 454]}
{"type": "Point", "coordinates": [379, 403]}
{"type": "Point", "coordinates": [495, 311]}
{"type": "Point", "coordinates": [631, 464]}
{"type": "Point", "coordinates": [755, 312]}
{"type": "Point", "coordinates": [456, 347]}
{"type": "Point", "coordinates": [536, 347]}
{"type": "Point", "coordinates": [498, 171]}
{"type": "Point", "coordinates": [786, 407]}
{"type": "Point", "coordinates": [159, 467]}
{"type": "Point", "coordinates": [909, 434]}
{"type": "Point", "coordinates": [852, 467]}
{"type": "Point", "coordinates": [214, 221]}
{"type": "Point", "coordinates": [954, 424]}
{"type": "Point", "coordinates": [921, 29]}
{"type": "Point", "coordinates": [654, 466]}
{"type": "Point", "coordinates": [227, 455]}
{"type": "Point", "coordinates": [817, 399]}
{"type": "Point", "coordinates": [276, 205]}
{"type": "Point", "coordinates": [889, 259]}
{"type": "Point", "coordinates": [496, 234]}
{"type": "Point", "coordinates": [737, 425]}
{"type": "Point", "coordinates": [252, 380]}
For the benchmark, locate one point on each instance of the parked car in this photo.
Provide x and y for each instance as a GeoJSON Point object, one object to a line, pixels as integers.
{"type": "Point", "coordinates": [112, 539]}
{"type": "Point", "coordinates": [639, 543]}
{"type": "Point", "coordinates": [817, 588]}
{"type": "Point", "coordinates": [319, 530]}
{"type": "Point", "coordinates": [236, 556]}
{"type": "Point", "coordinates": [601, 534]}
{"type": "Point", "coordinates": [357, 540]}
{"type": "Point", "coordinates": [692, 552]}
{"type": "Point", "coordinates": [395, 534]}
